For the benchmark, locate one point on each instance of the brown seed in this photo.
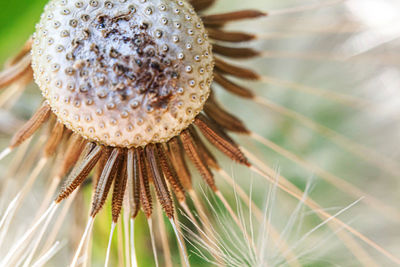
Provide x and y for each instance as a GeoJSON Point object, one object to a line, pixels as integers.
{"type": "Point", "coordinates": [170, 173]}
{"type": "Point", "coordinates": [205, 153]}
{"type": "Point", "coordinates": [100, 165]}
{"type": "Point", "coordinates": [232, 87]}
{"type": "Point", "coordinates": [75, 147]}
{"type": "Point", "coordinates": [141, 172]}
{"type": "Point", "coordinates": [119, 187]}
{"type": "Point", "coordinates": [220, 139]}
{"type": "Point", "coordinates": [236, 71]}
{"type": "Point", "coordinates": [133, 183]}
{"type": "Point", "coordinates": [176, 153]}
{"type": "Point", "coordinates": [161, 187]}
{"type": "Point", "coordinates": [220, 19]}
{"type": "Point", "coordinates": [80, 172]}
{"type": "Point", "coordinates": [234, 37]}
{"type": "Point", "coordinates": [234, 52]}
{"type": "Point", "coordinates": [223, 118]}
{"type": "Point", "coordinates": [197, 159]}
{"type": "Point", "coordinates": [105, 181]}
{"type": "Point", "coordinates": [54, 139]}
{"type": "Point", "coordinates": [32, 125]}
{"type": "Point", "coordinates": [200, 5]}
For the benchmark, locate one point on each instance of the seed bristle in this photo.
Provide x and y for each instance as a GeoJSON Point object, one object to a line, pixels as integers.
{"type": "Point", "coordinates": [107, 260]}
{"type": "Point", "coordinates": [166, 249]}
{"type": "Point", "coordinates": [153, 242]}
{"type": "Point", "coordinates": [87, 231]}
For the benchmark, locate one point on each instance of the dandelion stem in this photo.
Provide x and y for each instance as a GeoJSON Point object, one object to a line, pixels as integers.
{"type": "Point", "coordinates": [236, 219]}
{"type": "Point", "coordinates": [10, 95]}
{"type": "Point", "coordinates": [120, 244]}
{"type": "Point", "coordinates": [50, 253]}
{"type": "Point", "coordinates": [164, 238]}
{"type": "Point", "coordinates": [113, 224]}
{"type": "Point", "coordinates": [346, 100]}
{"type": "Point", "coordinates": [187, 210]}
{"type": "Point", "coordinates": [22, 194]}
{"type": "Point", "coordinates": [342, 28]}
{"type": "Point", "coordinates": [88, 228]}
{"type": "Point", "coordinates": [126, 231]}
{"type": "Point", "coordinates": [359, 150]}
{"type": "Point", "coordinates": [9, 210]}
{"type": "Point", "coordinates": [7, 217]}
{"type": "Point", "coordinates": [199, 207]}
{"type": "Point", "coordinates": [87, 250]}
{"type": "Point", "coordinates": [305, 236]}
{"type": "Point", "coordinates": [288, 11]}
{"type": "Point", "coordinates": [358, 251]}
{"type": "Point", "coordinates": [5, 153]}
{"type": "Point", "coordinates": [259, 216]}
{"type": "Point", "coordinates": [207, 233]}
{"type": "Point", "coordinates": [55, 181]}
{"type": "Point", "coordinates": [38, 239]}
{"type": "Point", "coordinates": [153, 242]}
{"type": "Point", "coordinates": [377, 59]}
{"type": "Point", "coordinates": [17, 160]}
{"type": "Point", "coordinates": [20, 243]}
{"type": "Point", "coordinates": [132, 241]}
{"type": "Point", "coordinates": [60, 219]}
{"type": "Point", "coordinates": [180, 242]}
{"type": "Point", "coordinates": [336, 181]}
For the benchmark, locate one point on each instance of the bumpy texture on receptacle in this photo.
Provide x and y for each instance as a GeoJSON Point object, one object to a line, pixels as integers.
{"type": "Point", "coordinates": [123, 73]}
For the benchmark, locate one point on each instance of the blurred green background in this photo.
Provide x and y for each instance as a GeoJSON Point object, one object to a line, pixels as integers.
{"type": "Point", "coordinates": [17, 23]}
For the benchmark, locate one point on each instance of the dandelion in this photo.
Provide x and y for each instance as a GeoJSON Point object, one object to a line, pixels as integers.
{"type": "Point", "coordinates": [131, 103]}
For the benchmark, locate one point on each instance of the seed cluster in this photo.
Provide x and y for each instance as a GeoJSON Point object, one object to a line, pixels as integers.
{"type": "Point", "coordinates": [123, 73]}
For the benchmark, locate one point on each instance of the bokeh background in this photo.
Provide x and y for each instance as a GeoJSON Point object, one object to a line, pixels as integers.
{"type": "Point", "coordinates": [350, 48]}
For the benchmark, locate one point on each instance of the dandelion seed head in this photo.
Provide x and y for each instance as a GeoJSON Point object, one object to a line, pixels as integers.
{"type": "Point", "coordinates": [131, 76]}
{"type": "Point", "coordinates": [117, 72]}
